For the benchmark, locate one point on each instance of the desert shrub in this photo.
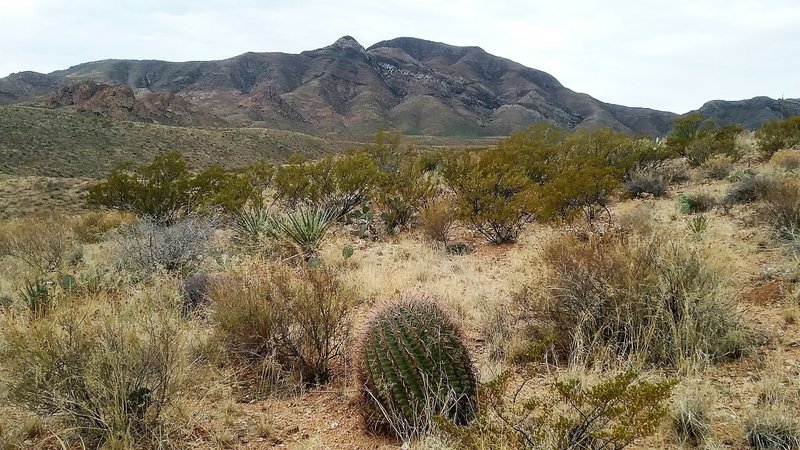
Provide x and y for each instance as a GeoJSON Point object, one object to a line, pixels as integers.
{"type": "Point", "coordinates": [297, 320]}
{"type": "Point", "coordinates": [748, 188]}
{"type": "Point", "coordinates": [492, 196]}
{"type": "Point", "coordinates": [413, 365]}
{"type": "Point", "coordinates": [402, 193]}
{"type": "Point", "coordinates": [341, 183]}
{"type": "Point", "coordinates": [640, 183]}
{"type": "Point", "coordinates": [696, 138]}
{"type": "Point", "coordinates": [166, 190]}
{"type": "Point", "coordinates": [655, 300]}
{"type": "Point", "coordinates": [586, 172]}
{"type": "Point", "coordinates": [609, 414]}
{"type": "Point", "coordinates": [778, 135]}
{"type": "Point", "coordinates": [42, 243]}
{"type": "Point", "coordinates": [781, 206]}
{"type": "Point", "coordinates": [697, 225]}
{"type": "Point", "coordinates": [111, 371]}
{"type": "Point", "coordinates": [786, 159]}
{"type": "Point", "coordinates": [697, 202]}
{"type": "Point", "coordinates": [690, 418]}
{"type": "Point", "coordinates": [437, 219]}
{"type": "Point", "coordinates": [718, 167]}
{"type": "Point", "coordinates": [148, 246]}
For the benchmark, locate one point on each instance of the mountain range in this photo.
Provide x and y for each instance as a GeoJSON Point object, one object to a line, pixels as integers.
{"type": "Point", "coordinates": [413, 85]}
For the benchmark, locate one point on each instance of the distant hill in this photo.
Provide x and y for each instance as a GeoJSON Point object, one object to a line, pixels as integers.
{"type": "Point", "coordinates": [750, 113]}
{"type": "Point", "coordinates": [65, 143]}
{"type": "Point", "coordinates": [417, 86]}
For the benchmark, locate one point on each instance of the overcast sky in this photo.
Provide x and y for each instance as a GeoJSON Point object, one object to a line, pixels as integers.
{"type": "Point", "coordinates": [671, 55]}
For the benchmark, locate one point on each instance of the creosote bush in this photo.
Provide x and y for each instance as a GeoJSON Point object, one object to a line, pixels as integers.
{"type": "Point", "coordinates": [166, 190]}
{"type": "Point", "coordinates": [295, 320]}
{"type": "Point", "coordinates": [778, 135]}
{"type": "Point", "coordinates": [652, 299]}
{"type": "Point", "coordinates": [786, 159]}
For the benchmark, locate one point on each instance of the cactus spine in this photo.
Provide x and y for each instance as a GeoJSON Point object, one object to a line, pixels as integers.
{"type": "Point", "coordinates": [413, 366]}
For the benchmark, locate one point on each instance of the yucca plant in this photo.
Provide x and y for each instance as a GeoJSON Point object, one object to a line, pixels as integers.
{"type": "Point", "coordinates": [306, 228]}
{"type": "Point", "coordinates": [254, 225]}
{"type": "Point", "coordinates": [697, 225]}
{"type": "Point", "coordinates": [36, 295]}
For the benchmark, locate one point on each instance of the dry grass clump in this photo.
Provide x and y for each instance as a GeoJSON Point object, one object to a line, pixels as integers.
{"type": "Point", "coordinates": [294, 321]}
{"type": "Point", "coordinates": [786, 159]}
{"type": "Point", "coordinates": [781, 207]}
{"type": "Point", "coordinates": [437, 219]}
{"type": "Point", "coordinates": [41, 243]}
{"type": "Point", "coordinates": [718, 167]}
{"type": "Point", "coordinates": [91, 227]}
{"type": "Point", "coordinates": [691, 419]}
{"type": "Point", "coordinates": [111, 370]}
{"type": "Point", "coordinates": [650, 298]}
{"type": "Point", "coordinates": [774, 428]}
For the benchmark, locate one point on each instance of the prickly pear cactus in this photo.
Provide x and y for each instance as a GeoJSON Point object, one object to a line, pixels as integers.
{"type": "Point", "coordinates": [413, 366]}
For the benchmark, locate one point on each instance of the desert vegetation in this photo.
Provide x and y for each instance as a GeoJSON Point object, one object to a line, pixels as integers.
{"type": "Point", "coordinates": [556, 290]}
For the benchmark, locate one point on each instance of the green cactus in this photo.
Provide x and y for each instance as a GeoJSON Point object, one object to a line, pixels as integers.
{"type": "Point", "coordinates": [414, 366]}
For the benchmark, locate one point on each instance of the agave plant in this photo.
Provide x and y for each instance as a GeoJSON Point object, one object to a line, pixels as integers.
{"type": "Point", "coordinates": [36, 296]}
{"type": "Point", "coordinates": [306, 228]}
{"type": "Point", "coordinates": [254, 225]}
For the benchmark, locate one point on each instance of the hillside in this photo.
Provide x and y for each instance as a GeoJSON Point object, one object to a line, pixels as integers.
{"type": "Point", "coordinates": [57, 143]}
{"type": "Point", "coordinates": [417, 86]}
{"type": "Point", "coordinates": [750, 113]}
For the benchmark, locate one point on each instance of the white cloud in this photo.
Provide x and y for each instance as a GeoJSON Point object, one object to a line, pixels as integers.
{"type": "Point", "coordinates": [668, 55]}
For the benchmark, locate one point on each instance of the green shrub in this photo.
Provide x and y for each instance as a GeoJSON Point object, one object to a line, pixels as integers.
{"type": "Point", "coordinates": [610, 414]}
{"type": "Point", "coordinates": [493, 196]}
{"type": "Point", "coordinates": [296, 321]}
{"type": "Point", "coordinates": [778, 135]}
{"type": "Point", "coordinates": [697, 139]}
{"type": "Point", "coordinates": [166, 190]}
{"type": "Point", "coordinates": [402, 193]}
{"type": "Point", "coordinates": [413, 365]}
{"type": "Point", "coordinates": [339, 184]}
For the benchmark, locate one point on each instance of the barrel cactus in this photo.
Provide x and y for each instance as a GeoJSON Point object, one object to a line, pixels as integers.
{"type": "Point", "coordinates": [413, 366]}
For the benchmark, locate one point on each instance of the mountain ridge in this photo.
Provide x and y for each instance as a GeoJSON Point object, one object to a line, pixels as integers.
{"type": "Point", "coordinates": [413, 85]}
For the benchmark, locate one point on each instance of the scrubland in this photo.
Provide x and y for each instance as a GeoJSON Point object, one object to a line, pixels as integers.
{"type": "Point", "coordinates": [603, 291]}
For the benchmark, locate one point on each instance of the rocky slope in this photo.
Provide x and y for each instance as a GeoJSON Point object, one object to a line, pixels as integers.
{"type": "Point", "coordinates": [417, 86]}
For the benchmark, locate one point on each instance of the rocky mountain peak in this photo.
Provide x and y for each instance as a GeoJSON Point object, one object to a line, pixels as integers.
{"type": "Point", "coordinates": [348, 43]}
